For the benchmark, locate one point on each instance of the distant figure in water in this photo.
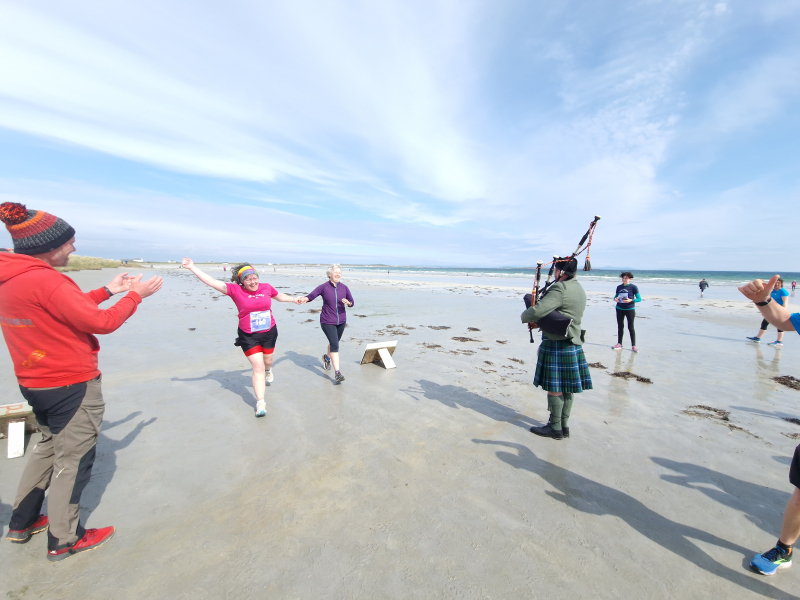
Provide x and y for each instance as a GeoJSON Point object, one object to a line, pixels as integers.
{"type": "Point", "coordinates": [794, 285]}
{"type": "Point", "coordinates": [781, 297]}
{"type": "Point", "coordinates": [703, 286]}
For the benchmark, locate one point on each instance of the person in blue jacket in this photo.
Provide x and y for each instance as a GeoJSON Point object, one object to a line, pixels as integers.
{"type": "Point", "coordinates": [781, 296]}
{"type": "Point", "coordinates": [626, 297]}
{"type": "Point", "coordinates": [336, 297]}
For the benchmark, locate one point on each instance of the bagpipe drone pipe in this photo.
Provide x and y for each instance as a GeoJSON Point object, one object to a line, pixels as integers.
{"type": "Point", "coordinates": [554, 322]}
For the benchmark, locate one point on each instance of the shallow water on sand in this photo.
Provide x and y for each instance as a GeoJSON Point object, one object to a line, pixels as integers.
{"type": "Point", "coordinates": [424, 481]}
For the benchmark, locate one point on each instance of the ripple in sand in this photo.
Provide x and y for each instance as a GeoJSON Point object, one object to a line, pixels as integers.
{"type": "Point", "coordinates": [463, 339]}
{"type": "Point", "coordinates": [597, 365]}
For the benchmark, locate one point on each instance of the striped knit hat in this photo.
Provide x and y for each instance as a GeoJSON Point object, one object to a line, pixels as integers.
{"type": "Point", "coordinates": [34, 231]}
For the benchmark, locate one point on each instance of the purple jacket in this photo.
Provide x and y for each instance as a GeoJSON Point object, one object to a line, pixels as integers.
{"type": "Point", "coordinates": [333, 311]}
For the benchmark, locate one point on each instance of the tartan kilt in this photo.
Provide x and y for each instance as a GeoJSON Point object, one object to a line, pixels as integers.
{"type": "Point", "coordinates": [561, 367]}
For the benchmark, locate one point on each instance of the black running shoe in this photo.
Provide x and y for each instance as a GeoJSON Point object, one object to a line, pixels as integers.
{"type": "Point", "coordinates": [565, 431]}
{"type": "Point", "coordinates": [326, 362]}
{"type": "Point", "coordinates": [339, 377]}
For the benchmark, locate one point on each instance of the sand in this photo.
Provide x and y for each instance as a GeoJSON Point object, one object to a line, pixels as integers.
{"type": "Point", "coordinates": [424, 481]}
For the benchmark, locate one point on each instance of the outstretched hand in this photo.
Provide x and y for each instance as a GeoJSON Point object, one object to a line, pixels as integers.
{"type": "Point", "coordinates": [301, 300]}
{"type": "Point", "coordinates": [144, 288]}
{"type": "Point", "coordinates": [119, 284]}
{"type": "Point", "coordinates": [187, 263]}
{"type": "Point", "coordinates": [757, 290]}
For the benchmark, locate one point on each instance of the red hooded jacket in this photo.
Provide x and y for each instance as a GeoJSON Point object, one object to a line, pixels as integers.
{"type": "Point", "coordinates": [48, 322]}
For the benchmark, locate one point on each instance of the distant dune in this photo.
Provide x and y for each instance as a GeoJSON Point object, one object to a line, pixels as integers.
{"type": "Point", "coordinates": [81, 263]}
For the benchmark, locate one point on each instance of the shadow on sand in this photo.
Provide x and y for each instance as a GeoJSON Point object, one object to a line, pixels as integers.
{"type": "Point", "coordinates": [758, 503]}
{"type": "Point", "coordinates": [591, 497]}
{"type": "Point", "coordinates": [106, 462]}
{"type": "Point", "coordinates": [309, 363]}
{"type": "Point", "coordinates": [455, 397]}
{"type": "Point", "coordinates": [233, 381]}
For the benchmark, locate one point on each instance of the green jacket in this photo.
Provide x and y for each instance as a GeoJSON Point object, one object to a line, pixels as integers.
{"type": "Point", "coordinates": [568, 298]}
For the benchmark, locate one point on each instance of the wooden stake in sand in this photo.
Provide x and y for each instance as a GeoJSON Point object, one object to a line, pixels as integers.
{"type": "Point", "coordinates": [380, 353]}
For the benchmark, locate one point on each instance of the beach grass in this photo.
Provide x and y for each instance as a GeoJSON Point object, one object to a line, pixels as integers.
{"type": "Point", "coordinates": [82, 263]}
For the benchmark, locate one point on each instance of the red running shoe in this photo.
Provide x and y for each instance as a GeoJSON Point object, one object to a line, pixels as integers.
{"type": "Point", "coordinates": [23, 535]}
{"type": "Point", "coordinates": [90, 540]}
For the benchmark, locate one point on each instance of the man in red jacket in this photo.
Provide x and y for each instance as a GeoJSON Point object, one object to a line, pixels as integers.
{"type": "Point", "coordinates": [48, 325]}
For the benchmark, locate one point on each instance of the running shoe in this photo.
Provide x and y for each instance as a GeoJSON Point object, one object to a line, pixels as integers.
{"type": "Point", "coordinates": [769, 562]}
{"type": "Point", "coordinates": [616, 347]}
{"type": "Point", "coordinates": [326, 362]}
{"type": "Point", "coordinates": [261, 408]}
{"type": "Point", "coordinates": [339, 377]}
{"type": "Point", "coordinates": [270, 376]}
{"type": "Point", "coordinates": [775, 343]}
{"type": "Point", "coordinates": [754, 339]}
{"type": "Point", "coordinates": [20, 536]}
{"type": "Point", "coordinates": [90, 540]}
{"type": "Point", "coordinates": [634, 349]}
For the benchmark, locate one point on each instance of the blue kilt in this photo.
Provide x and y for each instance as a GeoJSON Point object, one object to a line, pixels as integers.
{"type": "Point", "coordinates": [561, 367]}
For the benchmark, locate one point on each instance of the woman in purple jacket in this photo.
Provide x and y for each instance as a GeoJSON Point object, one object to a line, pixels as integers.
{"type": "Point", "coordinates": [335, 297]}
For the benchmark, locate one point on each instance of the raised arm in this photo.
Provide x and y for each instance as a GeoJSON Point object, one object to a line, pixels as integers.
{"type": "Point", "coordinates": [210, 281]}
{"type": "Point", "coordinates": [774, 313]}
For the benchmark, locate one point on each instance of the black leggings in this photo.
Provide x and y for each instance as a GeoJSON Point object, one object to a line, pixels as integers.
{"type": "Point", "coordinates": [764, 326]}
{"type": "Point", "coordinates": [333, 333]}
{"type": "Point", "coordinates": [621, 316]}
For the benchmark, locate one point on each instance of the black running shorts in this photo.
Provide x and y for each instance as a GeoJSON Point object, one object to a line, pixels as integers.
{"type": "Point", "coordinates": [261, 341]}
{"type": "Point", "coordinates": [794, 470]}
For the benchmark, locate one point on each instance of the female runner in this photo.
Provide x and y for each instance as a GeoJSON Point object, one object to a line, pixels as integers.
{"type": "Point", "coordinates": [335, 297]}
{"type": "Point", "coordinates": [257, 329]}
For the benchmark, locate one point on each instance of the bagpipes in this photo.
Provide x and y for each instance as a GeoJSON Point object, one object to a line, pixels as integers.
{"type": "Point", "coordinates": [554, 322]}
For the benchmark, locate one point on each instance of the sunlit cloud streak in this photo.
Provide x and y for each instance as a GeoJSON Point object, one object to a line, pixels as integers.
{"type": "Point", "coordinates": [501, 129]}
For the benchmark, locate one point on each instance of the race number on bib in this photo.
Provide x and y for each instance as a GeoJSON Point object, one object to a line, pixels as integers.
{"type": "Point", "coordinates": [260, 321]}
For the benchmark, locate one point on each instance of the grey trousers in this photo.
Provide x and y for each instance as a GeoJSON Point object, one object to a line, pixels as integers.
{"type": "Point", "coordinates": [70, 418]}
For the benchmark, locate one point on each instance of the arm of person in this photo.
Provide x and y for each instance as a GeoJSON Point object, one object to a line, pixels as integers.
{"type": "Point", "coordinates": [638, 297]}
{"type": "Point", "coordinates": [316, 292]}
{"type": "Point", "coordinates": [281, 297]}
{"type": "Point", "coordinates": [349, 297]}
{"type": "Point", "coordinates": [71, 306]}
{"type": "Point", "coordinates": [210, 281]}
{"type": "Point", "coordinates": [551, 301]}
{"type": "Point", "coordinates": [774, 313]}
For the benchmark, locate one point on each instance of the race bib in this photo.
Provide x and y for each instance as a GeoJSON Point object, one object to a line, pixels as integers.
{"type": "Point", "coordinates": [260, 321]}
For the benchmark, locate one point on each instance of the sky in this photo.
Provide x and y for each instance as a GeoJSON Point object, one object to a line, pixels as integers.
{"type": "Point", "coordinates": [450, 133]}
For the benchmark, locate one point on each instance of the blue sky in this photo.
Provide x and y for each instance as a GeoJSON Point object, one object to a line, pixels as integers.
{"type": "Point", "coordinates": [435, 133]}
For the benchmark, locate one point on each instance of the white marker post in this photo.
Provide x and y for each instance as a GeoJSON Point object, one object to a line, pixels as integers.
{"type": "Point", "coordinates": [16, 428]}
{"type": "Point", "coordinates": [380, 353]}
{"type": "Point", "coordinates": [16, 439]}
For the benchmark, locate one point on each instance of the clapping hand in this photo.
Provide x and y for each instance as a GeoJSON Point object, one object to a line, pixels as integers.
{"type": "Point", "coordinates": [187, 263]}
{"type": "Point", "coordinates": [346, 302]}
{"type": "Point", "coordinates": [144, 288]}
{"type": "Point", "coordinates": [119, 284]}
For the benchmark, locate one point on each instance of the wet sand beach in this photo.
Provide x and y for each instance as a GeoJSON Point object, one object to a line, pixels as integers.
{"type": "Point", "coordinates": [424, 481]}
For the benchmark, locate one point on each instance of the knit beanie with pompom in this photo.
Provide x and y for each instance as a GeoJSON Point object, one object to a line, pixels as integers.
{"type": "Point", "coordinates": [34, 231]}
